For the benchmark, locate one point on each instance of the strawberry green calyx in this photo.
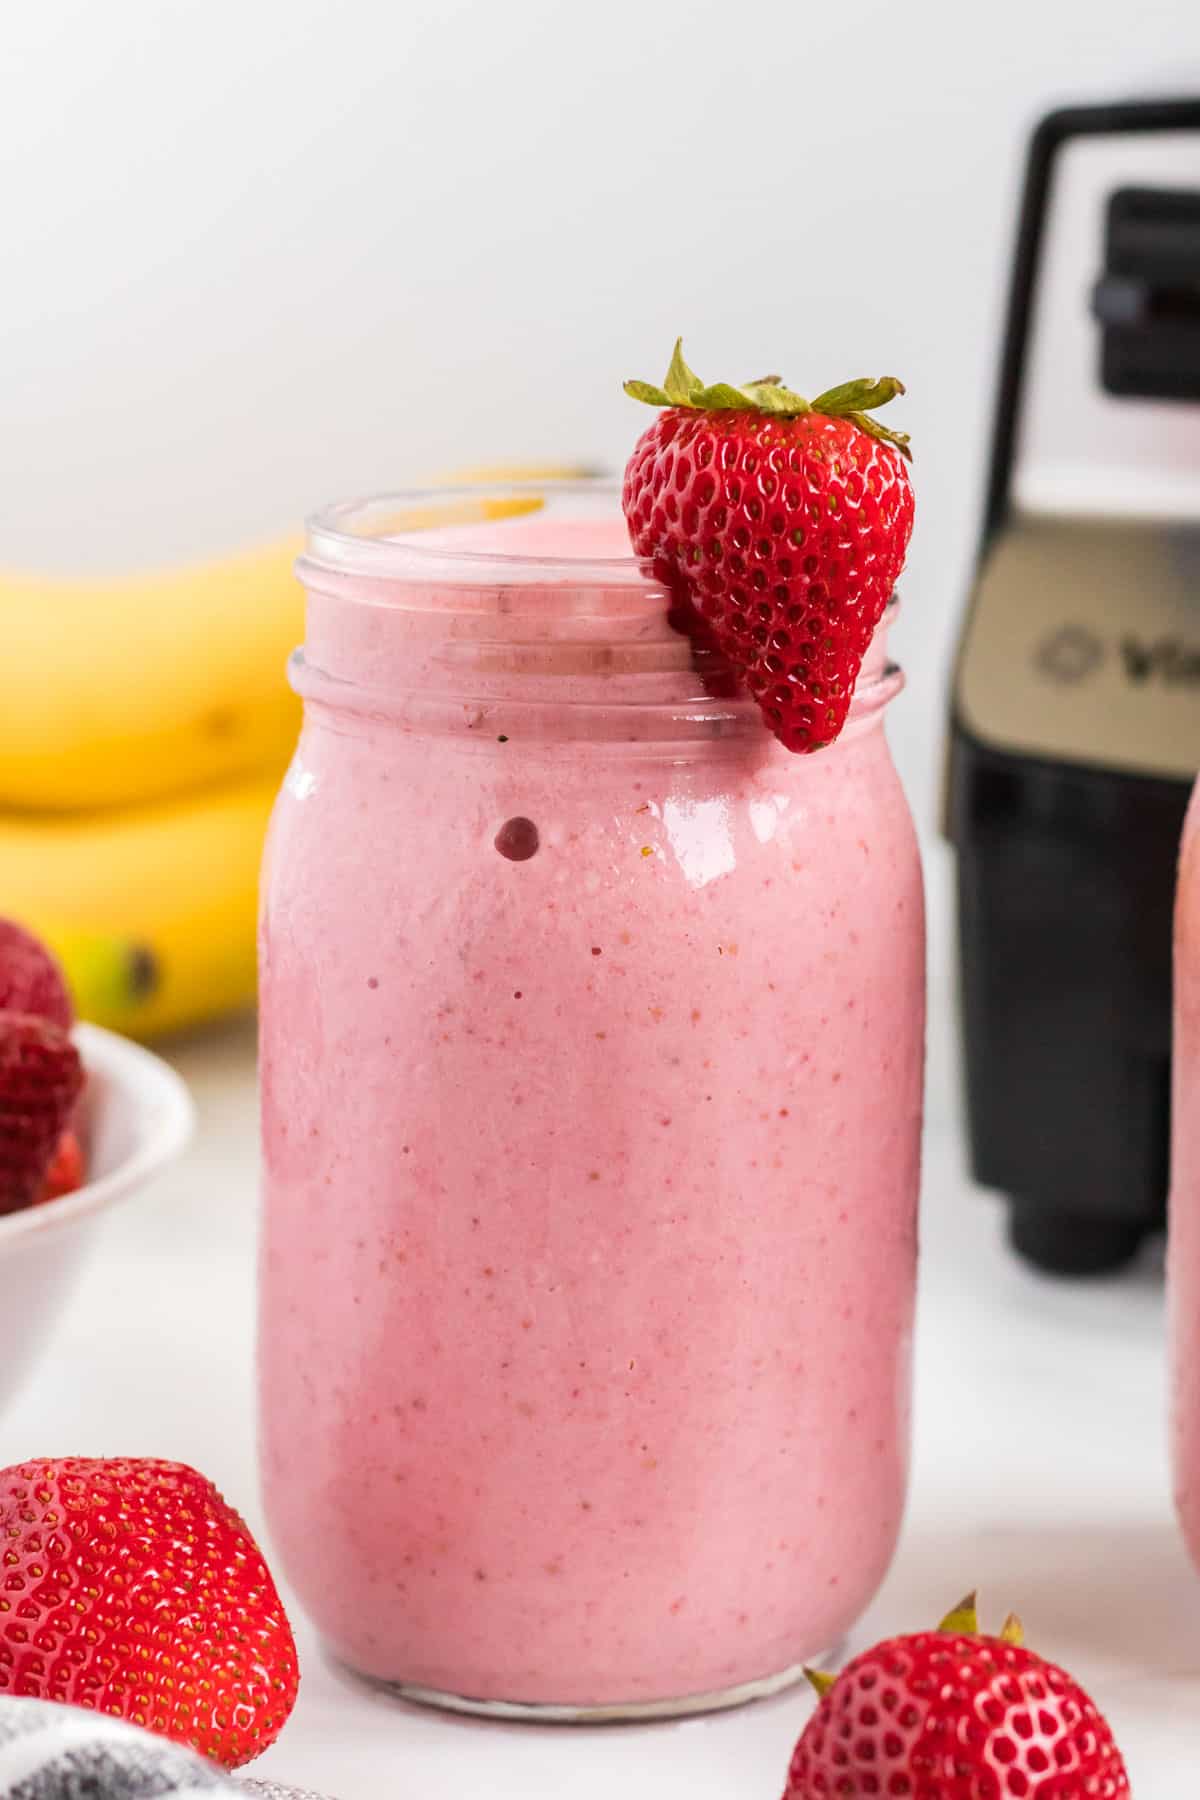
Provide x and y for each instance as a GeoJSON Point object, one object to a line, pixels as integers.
{"type": "Point", "coordinates": [963, 1618]}
{"type": "Point", "coordinates": [683, 387]}
{"type": "Point", "coordinates": [961, 1621]}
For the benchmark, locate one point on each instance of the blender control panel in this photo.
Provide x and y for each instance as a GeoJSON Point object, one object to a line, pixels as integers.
{"type": "Point", "coordinates": [1083, 643]}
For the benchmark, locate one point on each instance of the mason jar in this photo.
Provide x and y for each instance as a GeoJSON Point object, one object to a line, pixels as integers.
{"type": "Point", "coordinates": [592, 1041]}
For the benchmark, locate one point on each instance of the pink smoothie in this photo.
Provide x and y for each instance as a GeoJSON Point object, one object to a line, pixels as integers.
{"type": "Point", "coordinates": [1184, 1235]}
{"type": "Point", "coordinates": [591, 1170]}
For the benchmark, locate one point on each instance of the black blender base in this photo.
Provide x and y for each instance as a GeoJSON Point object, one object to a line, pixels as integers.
{"type": "Point", "coordinates": [1062, 1241]}
{"type": "Point", "coordinates": [1066, 881]}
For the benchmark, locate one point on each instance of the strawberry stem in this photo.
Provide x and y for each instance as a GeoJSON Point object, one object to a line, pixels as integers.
{"type": "Point", "coordinates": [851, 400]}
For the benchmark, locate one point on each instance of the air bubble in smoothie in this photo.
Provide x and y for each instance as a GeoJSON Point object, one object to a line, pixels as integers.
{"type": "Point", "coordinates": [517, 839]}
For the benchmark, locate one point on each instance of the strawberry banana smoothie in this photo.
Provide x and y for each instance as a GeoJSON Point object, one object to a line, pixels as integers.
{"type": "Point", "coordinates": [1183, 1239]}
{"type": "Point", "coordinates": [592, 1034]}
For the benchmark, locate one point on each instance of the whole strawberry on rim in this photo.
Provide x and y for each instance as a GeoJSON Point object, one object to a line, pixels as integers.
{"type": "Point", "coordinates": [780, 526]}
{"type": "Point", "coordinates": [953, 1714]}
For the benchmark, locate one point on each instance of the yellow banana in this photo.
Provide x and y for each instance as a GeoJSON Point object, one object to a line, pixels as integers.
{"type": "Point", "coordinates": [124, 690]}
{"type": "Point", "coordinates": [152, 909]}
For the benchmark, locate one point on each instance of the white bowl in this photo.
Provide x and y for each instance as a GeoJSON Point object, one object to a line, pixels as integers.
{"type": "Point", "coordinates": [138, 1116]}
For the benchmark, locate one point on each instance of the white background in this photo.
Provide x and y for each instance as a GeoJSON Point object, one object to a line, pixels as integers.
{"type": "Point", "coordinates": [262, 253]}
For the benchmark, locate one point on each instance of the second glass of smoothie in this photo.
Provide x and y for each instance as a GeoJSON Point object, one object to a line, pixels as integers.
{"type": "Point", "coordinates": [1183, 1240]}
{"type": "Point", "coordinates": [592, 1042]}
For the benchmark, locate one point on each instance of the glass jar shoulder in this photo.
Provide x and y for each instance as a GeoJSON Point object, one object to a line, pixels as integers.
{"type": "Point", "coordinates": [409, 803]}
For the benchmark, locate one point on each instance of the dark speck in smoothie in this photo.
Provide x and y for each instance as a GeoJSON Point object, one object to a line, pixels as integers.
{"type": "Point", "coordinates": [372, 981]}
{"type": "Point", "coordinates": [502, 738]}
{"type": "Point", "coordinates": [517, 839]}
{"type": "Point", "coordinates": [596, 950]}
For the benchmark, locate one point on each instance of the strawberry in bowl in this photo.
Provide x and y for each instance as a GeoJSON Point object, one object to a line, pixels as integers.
{"type": "Point", "coordinates": [41, 1074]}
{"type": "Point", "coordinates": [86, 1118]}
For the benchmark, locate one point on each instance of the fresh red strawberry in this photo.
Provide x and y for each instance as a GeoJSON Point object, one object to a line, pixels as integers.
{"type": "Point", "coordinates": [30, 979]}
{"type": "Point", "coordinates": [40, 1080]}
{"type": "Point", "coordinates": [954, 1715]}
{"type": "Point", "coordinates": [780, 527]}
{"type": "Point", "coordinates": [66, 1170]}
{"type": "Point", "coordinates": [133, 1588]}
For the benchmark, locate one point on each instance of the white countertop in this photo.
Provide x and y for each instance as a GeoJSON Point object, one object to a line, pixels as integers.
{"type": "Point", "coordinates": [1040, 1470]}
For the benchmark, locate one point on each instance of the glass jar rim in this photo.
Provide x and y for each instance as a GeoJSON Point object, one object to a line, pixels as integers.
{"type": "Point", "coordinates": [381, 534]}
{"type": "Point", "coordinates": [395, 554]}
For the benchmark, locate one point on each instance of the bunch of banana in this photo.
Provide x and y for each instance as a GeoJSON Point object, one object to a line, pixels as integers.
{"type": "Point", "coordinates": [145, 728]}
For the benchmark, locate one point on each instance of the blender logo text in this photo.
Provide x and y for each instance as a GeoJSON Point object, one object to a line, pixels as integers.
{"type": "Point", "coordinates": [1166, 660]}
{"type": "Point", "coordinates": [1072, 653]}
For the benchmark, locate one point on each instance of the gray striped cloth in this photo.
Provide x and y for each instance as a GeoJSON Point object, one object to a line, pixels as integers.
{"type": "Point", "coordinates": [50, 1752]}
